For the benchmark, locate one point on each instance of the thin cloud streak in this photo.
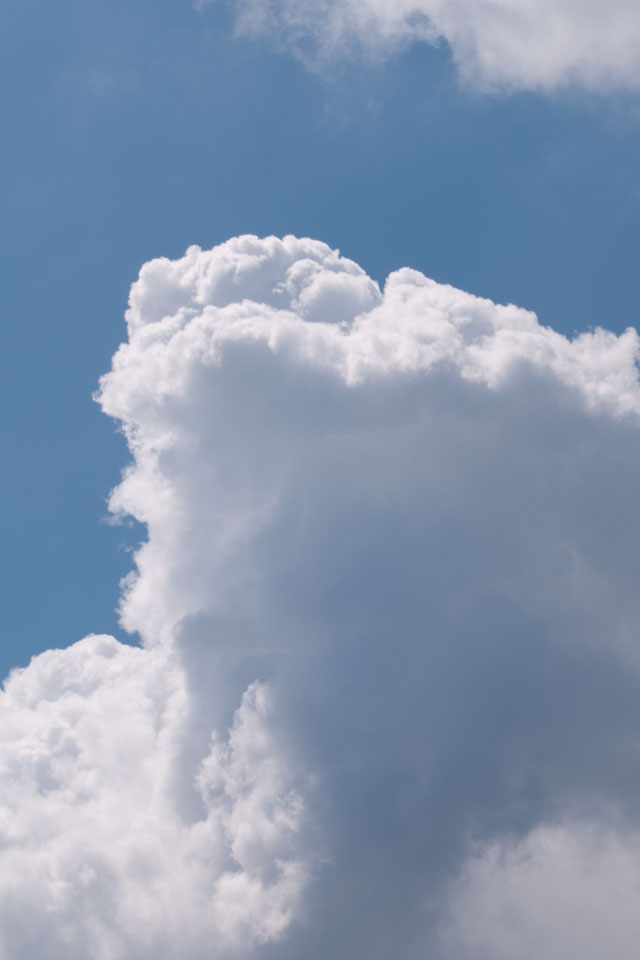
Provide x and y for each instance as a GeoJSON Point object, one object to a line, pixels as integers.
{"type": "Point", "coordinates": [535, 45]}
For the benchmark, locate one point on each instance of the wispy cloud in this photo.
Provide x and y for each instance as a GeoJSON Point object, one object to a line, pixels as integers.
{"type": "Point", "coordinates": [512, 45]}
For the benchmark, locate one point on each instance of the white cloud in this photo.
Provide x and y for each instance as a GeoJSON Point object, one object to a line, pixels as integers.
{"type": "Point", "coordinates": [388, 604]}
{"type": "Point", "coordinates": [564, 891]}
{"type": "Point", "coordinates": [512, 44]}
{"type": "Point", "coordinates": [97, 859]}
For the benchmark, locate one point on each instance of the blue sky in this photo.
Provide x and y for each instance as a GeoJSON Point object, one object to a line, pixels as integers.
{"type": "Point", "coordinates": [133, 130]}
{"type": "Point", "coordinates": [384, 545]}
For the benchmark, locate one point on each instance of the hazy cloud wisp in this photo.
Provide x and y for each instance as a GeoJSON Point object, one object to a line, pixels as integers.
{"type": "Point", "coordinates": [512, 45]}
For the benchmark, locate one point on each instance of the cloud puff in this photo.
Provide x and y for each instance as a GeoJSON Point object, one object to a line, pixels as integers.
{"type": "Point", "coordinates": [388, 606]}
{"type": "Point", "coordinates": [513, 45]}
{"type": "Point", "coordinates": [564, 891]}
{"type": "Point", "coordinates": [97, 859]}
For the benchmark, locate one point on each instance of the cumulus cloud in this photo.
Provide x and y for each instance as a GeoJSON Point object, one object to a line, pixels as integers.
{"type": "Point", "coordinates": [388, 608]}
{"type": "Point", "coordinates": [515, 44]}
{"type": "Point", "coordinates": [97, 860]}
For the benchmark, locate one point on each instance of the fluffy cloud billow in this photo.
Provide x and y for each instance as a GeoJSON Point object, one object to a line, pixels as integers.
{"type": "Point", "coordinates": [512, 45]}
{"type": "Point", "coordinates": [97, 858]}
{"type": "Point", "coordinates": [387, 695]}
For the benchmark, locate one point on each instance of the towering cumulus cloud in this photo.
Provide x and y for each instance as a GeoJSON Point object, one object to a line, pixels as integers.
{"type": "Point", "coordinates": [513, 44]}
{"type": "Point", "coordinates": [387, 700]}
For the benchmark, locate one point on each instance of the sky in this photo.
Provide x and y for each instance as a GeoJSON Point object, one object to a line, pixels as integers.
{"type": "Point", "coordinates": [133, 130]}
{"type": "Point", "coordinates": [376, 644]}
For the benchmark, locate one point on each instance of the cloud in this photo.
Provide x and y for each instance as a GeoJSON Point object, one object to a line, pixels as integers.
{"type": "Point", "coordinates": [388, 606]}
{"type": "Point", "coordinates": [512, 45]}
{"type": "Point", "coordinates": [564, 891]}
{"type": "Point", "coordinates": [96, 860]}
